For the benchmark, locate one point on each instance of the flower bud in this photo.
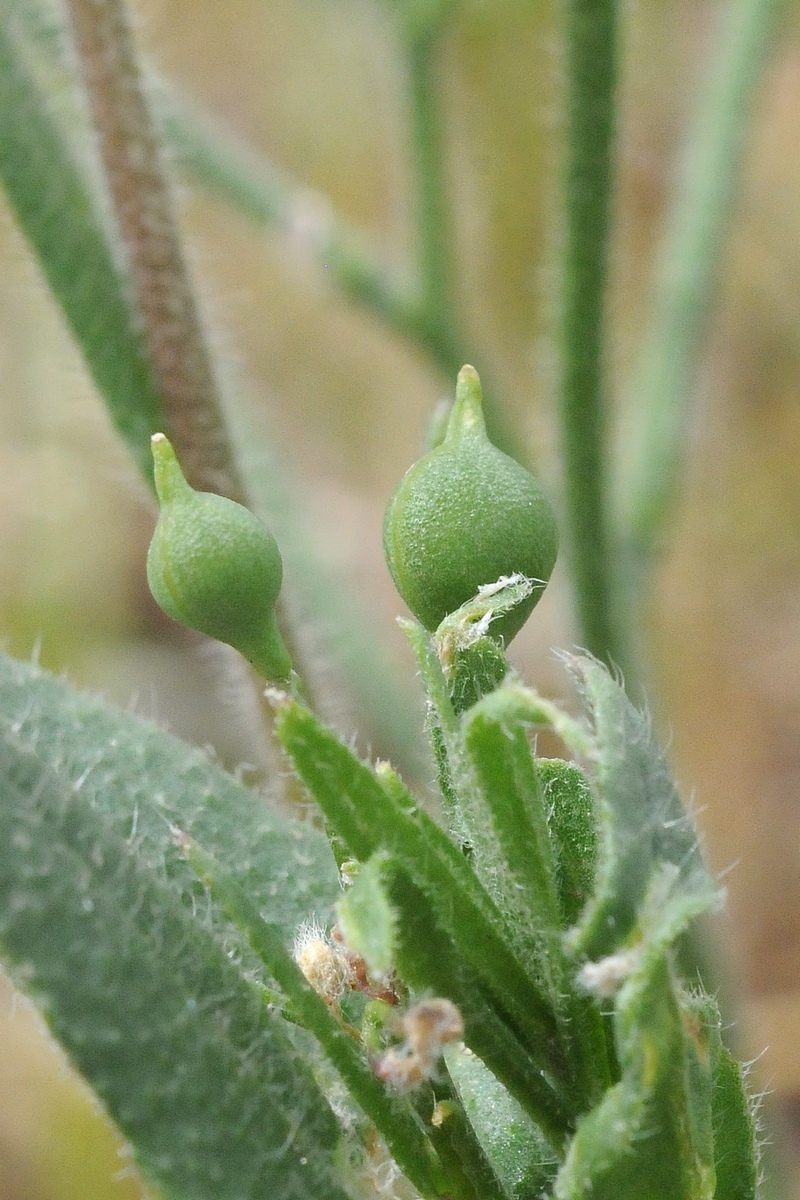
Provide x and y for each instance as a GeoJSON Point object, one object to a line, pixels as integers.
{"type": "Point", "coordinates": [212, 565]}
{"type": "Point", "coordinates": [464, 516]}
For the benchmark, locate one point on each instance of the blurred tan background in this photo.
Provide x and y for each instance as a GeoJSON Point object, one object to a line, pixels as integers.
{"type": "Point", "coordinates": [318, 85]}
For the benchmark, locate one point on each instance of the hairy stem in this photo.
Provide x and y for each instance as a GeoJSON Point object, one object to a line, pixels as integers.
{"type": "Point", "coordinates": [144, 211]}
{"type": "Point", "coordinates": [218, 159]}
{"type": "Point", "coordinates": [163, 292]}
{"type": "Point", "coordinates": [688, 270]}
{"type": "Point", "coordinates": [58, 214]}
{"type": "Point", "coordinates": [434, 236]}
{"type": "Point", "coordinates": [591, 69]}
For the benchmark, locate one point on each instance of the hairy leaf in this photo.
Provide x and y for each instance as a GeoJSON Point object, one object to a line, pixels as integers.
{"type": "Point", "coordinates": [144, 779]}
{"type": "Point", "coordinates": [643, 825]}
{"type": "Point", "coordinates": [573, 828]}
{"type": "Point", "coordinates": [508, 823]}
{"type": "Point", "coordinates": [182, 1050]}
{"type": "Point", "coordinates": [513, 1143]}
{"type": "Point", "coordinates": [391, 1115]}
{"type": "Point", "coordinates": [428, 959]}
{"type": "Point", "coordinates": [368, 920]}
{"type": "Point", "coordinates": [58, 214]}
{"type": "Point", "coordinates": [736, 1152]}
{"type": "Point", "coordinates": [651, 1133]}
{"type": "Point", "coordinates": [371, 817]}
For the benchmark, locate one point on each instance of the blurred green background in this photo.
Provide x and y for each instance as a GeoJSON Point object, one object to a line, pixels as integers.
{"type": "Point", "coordinates": [318, 85]}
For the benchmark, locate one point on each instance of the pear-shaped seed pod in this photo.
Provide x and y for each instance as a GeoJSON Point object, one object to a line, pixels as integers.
{"type": "Point", "coordinates": [212, 565]}
{"type": "Point", "coordinates": [465, 515]}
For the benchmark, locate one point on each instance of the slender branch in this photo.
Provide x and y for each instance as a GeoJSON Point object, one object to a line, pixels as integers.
{"type": "Point", "coordinates": [144, 211]}
{"type": "Point", "coordinates": [591, 70]}
{"type": "Point", "coordinates": [688, 271]}
{"type": "Point", "coordinates": [432, 320]}
{"type": "Point", "coordinates": [253, 185]}
{"type": "Point", "coordinates": [222, 162]}
{"type": "Point", "coordinates": [162, 288]}
{"type": "Point", "coordinates": [434, 234]}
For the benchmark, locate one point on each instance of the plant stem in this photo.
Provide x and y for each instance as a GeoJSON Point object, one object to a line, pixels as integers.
{"type": "Point", "coordinates": [687, 273]}
{"type": "Point", "coordinates": [257, 188]}
{"type": "Point", "coordinates": [591, 54]}
{"type": "Point", "coordinates": [57, 213]}
{"type": "Point", "coordinates": [254, 186]}
{"type": "Point", "coordinates": [432, 319]}
{"type": "Point", "coordinates": [144, 211]}
{"type": "Point", "coordinates": [163, 293]}
{"type": "Point", "coordinates": [434, 239]}
{"type": "Point", "coordinates": [408, 1143]}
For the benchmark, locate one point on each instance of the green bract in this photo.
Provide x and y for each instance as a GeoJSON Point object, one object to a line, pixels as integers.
{"type": "Point", "coordinates": [212, 565]}
{"type": "Point", "coordinates": [465, 515]}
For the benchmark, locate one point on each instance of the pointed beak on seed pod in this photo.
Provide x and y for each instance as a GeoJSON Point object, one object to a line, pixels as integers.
{"type": "Point", "coordinates": [213, 566]}
{"type": "Point", "coordinates": [465, 515]}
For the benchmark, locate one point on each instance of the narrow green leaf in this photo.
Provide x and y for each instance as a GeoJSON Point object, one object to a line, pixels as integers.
{"type": "Point", "coordinates": [390, 1113]}
{"type": "Point", "coordinates": [57, 214]}
{"type": "Point", "coordinates": [144, 779]}
{"type": "Point", "coordinates": [367, 919]}
{"type": "Point", "coordinates": [650, 1135]}
{"type": "Point", "coordinates": [527, 706]}
{"type": "Point", "coordinates": [515, 857]}
{"type": "Point", "coordinates": [428, 959]}
{"type": "Point", "coordinates": [513, 1142]}
{"type": "Point", "coordinates": [433, 677]}
{"type": "Point", "coordinates": [370, 817]}
{"type": "Point", "coordinates": [454, 1138]}
{"type": "Point", "coordinates": [182, 1050]}
{"type": "Point", "coordinates": [477, 670]}
{"type": "Point", "coordinates": [573, 828]}
{"type": "Point", "coordinates": [643, 825]}
{"type": "Point", "coordinates": [736, 1152]}
{"type": "Point", "coordinates": [509, 830]}
{"type": "Point", "coordinates": [473, 661]}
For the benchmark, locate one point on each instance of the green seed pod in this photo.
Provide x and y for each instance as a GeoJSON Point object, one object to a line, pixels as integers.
{"type": "Point", "coordinates": [212, 565]}
{"type": "Point", "coordinates": [465, 515]}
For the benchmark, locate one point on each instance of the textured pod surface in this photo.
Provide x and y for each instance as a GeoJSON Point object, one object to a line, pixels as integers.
{"type": "Point", "coordinates": [212, 565]}
{"type": "Point", "coordinates": [465, 515]}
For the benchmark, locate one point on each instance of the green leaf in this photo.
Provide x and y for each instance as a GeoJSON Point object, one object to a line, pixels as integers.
{"type": "Point", "coordinates": [650, 1136]}
{"type": "Point", "coordinates": [473, 663]}
{"type": "Point", "coordinates": [370, 817]}
{"type": "Point", "coordinates": [573, 828]}
{"type": "Point", "coordinates": [51, 200]}
{"type": "Point", "coordinates": [442, 720]}
{"type": "Point", "coordinates": [508, 825]}
{"type": "Point", "coordinates": [514, 856]}
{"type": "Point", "coordinates": [513, 1143]}
{"type": "Point", "coordinates": [477, 670]}
{"type": "Point", "coordinates": [736, 1154]}
{"type": "Point", "coordinates": [390, 1113]}
{"type": "Point", "coordinates": [144, 780]}
{"type": "Point", "coordinates": [182, 1050]}
{"type": "Point", "coordinates": [428, 959]}
{"type": "Point", "coordinates": [643, 825]}
{"type": "Point", "coordinates": [368, 920]}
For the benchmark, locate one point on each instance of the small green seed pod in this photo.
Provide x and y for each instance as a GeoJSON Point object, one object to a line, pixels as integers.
{"type": "Point", "coordinates": [465, 515]}
{"type": "Point", "coordinates": [212, 565]}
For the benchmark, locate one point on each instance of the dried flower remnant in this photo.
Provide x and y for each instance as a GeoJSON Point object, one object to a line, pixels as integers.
{"type": "Point", "coordinates": [428, 1027]}
{"type": "Point", "coordinates": [323, 964]}
{"type": "Point", "coordinates": [360, 978]}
